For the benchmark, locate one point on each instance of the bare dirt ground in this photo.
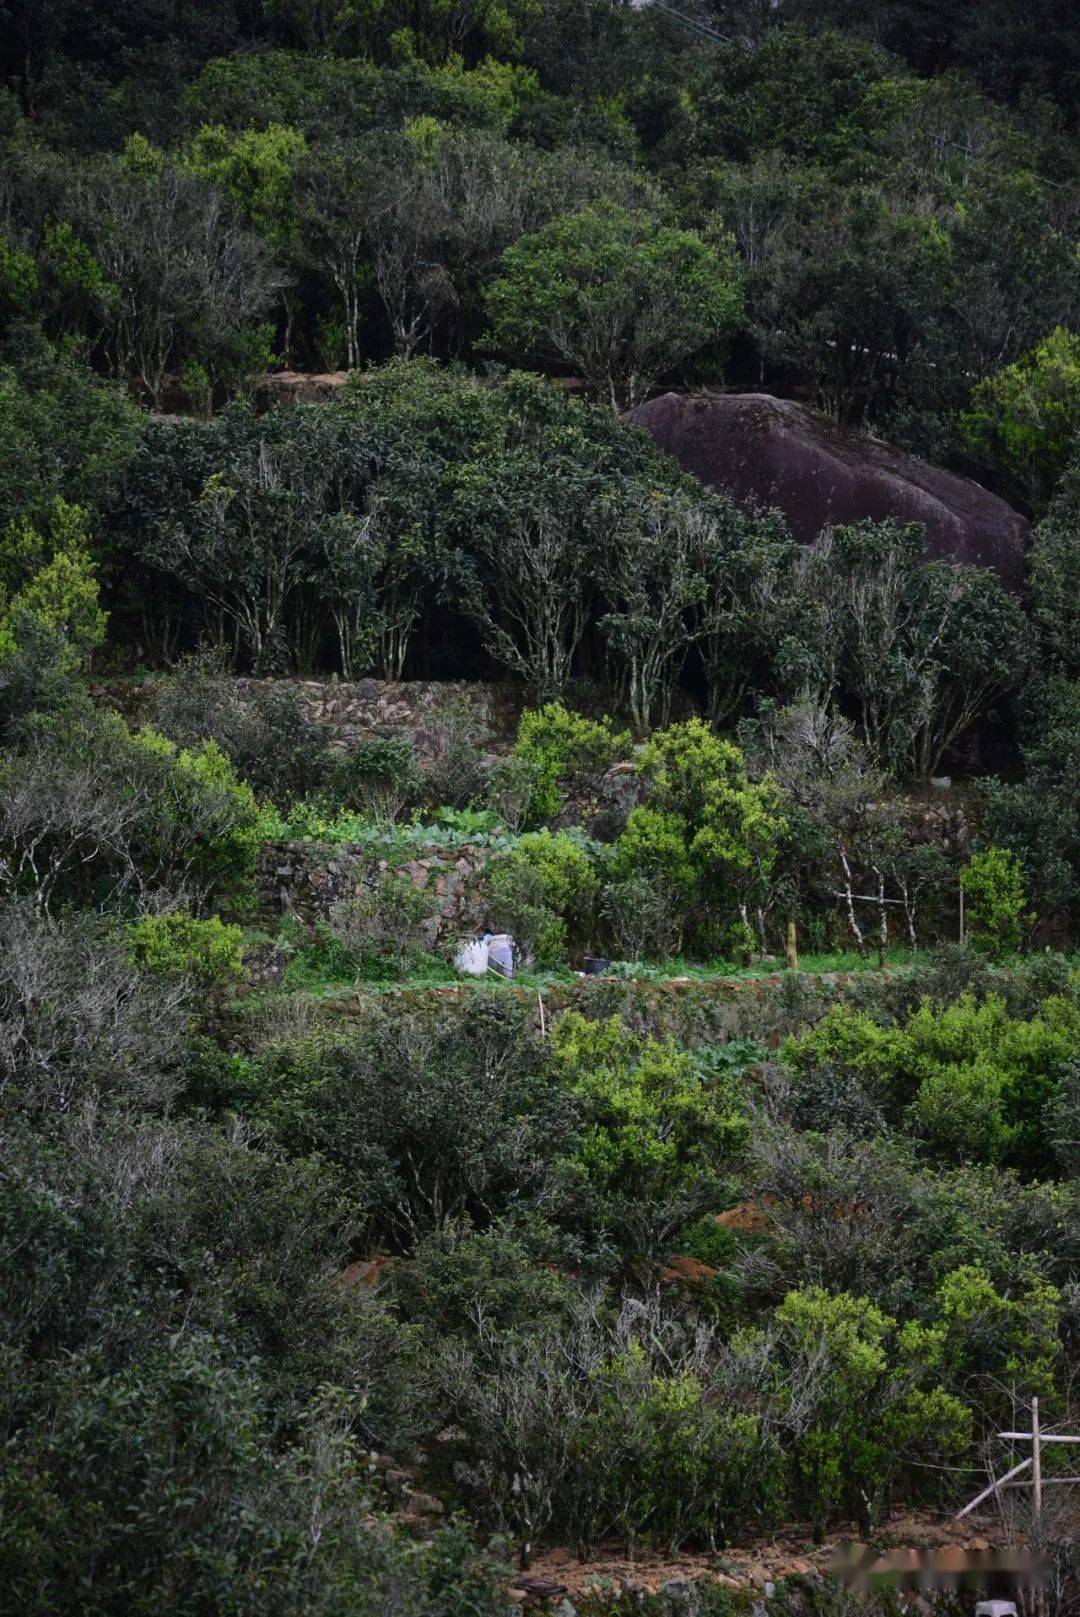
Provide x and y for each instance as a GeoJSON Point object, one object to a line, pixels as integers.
{"type": "Point", "coordinates": [558, 1572]}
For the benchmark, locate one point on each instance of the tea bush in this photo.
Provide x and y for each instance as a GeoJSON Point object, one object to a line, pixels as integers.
{"type": "Point", "coordinates": [566, 753]}
{"type": "Point", "coordinates": [178, 944]}
{"type": "Point", "coordinates": [996, 915]}
{"type": "Point", "coordinates": [384, 925]}
{"type": "Point", "coordinates": [543, 893]}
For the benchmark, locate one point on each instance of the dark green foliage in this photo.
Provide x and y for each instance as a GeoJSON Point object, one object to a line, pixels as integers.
{"type": "Point", "coordinates": [290, 1213]}
{"type": "Point", "coordinates": [1055, 578]}
{"type": "Point", "coordinates": [1036, 816]}
{"type": "Point", "coordinates": [973, 1082]}
{"type": "Point", "coordinates": [88, 809]}
{"type": "Point", "coordinates": [62, 430]}
{"type": "Point", "coordinates": [173, 1323]}
{"type": "Point", "coordinates": [430, 1122]}
{"type": "Point", "coordinates": [379, 777]}
{"type": "Point", "coordinates": [383, 929]}
{"type": "Point", "coordinates": [263, 730]}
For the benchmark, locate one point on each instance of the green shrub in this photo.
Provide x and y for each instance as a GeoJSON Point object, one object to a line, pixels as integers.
{"type": "Point", "coordinates": [859, 1393]}
{"type": "Point", "coordinates": [654, 846]}
{"type": "Point", "coordinates": [453, 736]}
{"type": "Point", "coordinates": [542, 892]}
{"type": "Point", "coordinates": [261, 726]}
{"type": "Point", "coordinates": [514, 896]}
{"type": "Point", "coordinates": [593, 1423]}
{"type": "Point", "coordinates": [379, 777]}
{"type": "Point", "coordinates": [47, 574]}
{"type": "Point", "coordinates": [94, 812]}
{"type": "Point", "coordinates": [161, 1475]}
{"type": "Point", "coordinates": [566, 753]}
{"type": "Point", "coordinates": [201, 820]}
{"type": "Point", "coordinates": [384, 925]}
{"type": "Point", "coordinates": [177, 944]}
{"type": "Point", "coordinates": [656, 1130]}
{"type": "Point", "coordinates": [995, 910]}
{"type": "Point", "coordinates": [671, 1461]}
{"type": "Point", "coordinates": [986, 1082]}
{"type": "Point", "coordinates": [509, 792]}
{"type": "Point", "coordinates": [854, 1042]}
{"type": "Point", "coordinates": [430, 1121]}
{"type": "Point", "coordinates": [707, 831]}
{"type": "Point", "coordinates": [503, 1271]}
{"type": "Point", "coordinates": [1024, 417]}
{"type": "Point", "coordinates": [978, 1331]}
{"type": "Point", "coordinates": [644, 917]}
{"type": "Point", "coordinates": [974, 1082]}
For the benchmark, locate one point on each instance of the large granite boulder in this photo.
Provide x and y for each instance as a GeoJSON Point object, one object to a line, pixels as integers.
{"type": "Point", "coordinates": [775, 452]}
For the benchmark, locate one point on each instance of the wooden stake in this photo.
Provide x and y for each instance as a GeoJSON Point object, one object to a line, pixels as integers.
{"type": "Point", "coordinates": [993, 1488]}
{"type": "Point", "coordinates": [1036, 1439]}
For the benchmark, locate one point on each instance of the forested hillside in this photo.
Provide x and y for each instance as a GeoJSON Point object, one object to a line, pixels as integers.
{"type": "Point", "coordinates": [354, 631]}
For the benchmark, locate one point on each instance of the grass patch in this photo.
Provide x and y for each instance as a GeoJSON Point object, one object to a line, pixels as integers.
{"type": "Point", "coordinates": [323, 969]}
{"type": "Point", "coordinates": [815, 964]}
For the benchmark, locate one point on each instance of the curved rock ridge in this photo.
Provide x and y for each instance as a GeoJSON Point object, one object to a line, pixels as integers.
{"type": "Point", "coordinates": [779, 453]}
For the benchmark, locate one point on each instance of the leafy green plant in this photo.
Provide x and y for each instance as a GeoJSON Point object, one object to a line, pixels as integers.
{"type": "Point", "coordinates": [468, 822]}
{"type": "Point", "coordinates": [48, 584]}
{"type": "Point", "coordinates": [995, 904]}
{"type": "Point", "coordinates": [261, 725]}
{"type": "Point", "coordinates": [673, 1461]}
{"type": "Point", "coordinates": [453, 735]}
{"type": "Point", "coordinates": [542, 892]}
{"type": "Point", "coordinates": [979, 1331]}
{"type": "Point", "coordinates": [1025, 417]}
{"type": "Point", "coordinates": [851, 1384]}
{"type": "Point", "coordinates": [656, 1130]}
{"type": "Point", "coordinates": [975, 1082]}
{"type": "Point", "coordinates": [707, 832]}
{"type": "Point", "coordinates": [179, 944]}
{"type": "Point", "coordinates": [616, 293]}
{"type": "Point", "coordinates": [379, 778]}
{"type": "Point", "coordinates": [567, 753]}
{"type": "Point", "coordinates": [203, 820]}
{"type": "Point", "coordinates": [310, 820]}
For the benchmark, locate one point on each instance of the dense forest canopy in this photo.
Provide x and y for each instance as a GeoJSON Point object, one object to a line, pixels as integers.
{"type": "Point", "coordinates": [332, 1282]}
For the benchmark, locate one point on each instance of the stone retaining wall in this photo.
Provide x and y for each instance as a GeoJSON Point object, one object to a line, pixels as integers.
{"type": "Point", "coordinates": [308, 878]}
{"type": "Point", "coordinates": [370, 707]}
{"type": "Point", "coordinates": [359, 709]}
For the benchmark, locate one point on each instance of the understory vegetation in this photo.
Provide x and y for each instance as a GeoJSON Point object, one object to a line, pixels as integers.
{"type": "Point", "coordinates": [333, 1281]}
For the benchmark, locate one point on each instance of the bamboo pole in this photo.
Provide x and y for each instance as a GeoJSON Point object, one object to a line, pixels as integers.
{"type": "Point", "coordinates": [993, 1488]}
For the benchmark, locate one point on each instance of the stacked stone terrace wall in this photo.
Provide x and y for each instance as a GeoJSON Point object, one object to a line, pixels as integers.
{"type": "Point", "coordinates": [359, 709]}
{"type": "Point", "coordinates": [308, 878]}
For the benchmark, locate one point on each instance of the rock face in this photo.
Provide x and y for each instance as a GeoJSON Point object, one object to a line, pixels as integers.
{"type": "Point", "coordinates": [775, 452]}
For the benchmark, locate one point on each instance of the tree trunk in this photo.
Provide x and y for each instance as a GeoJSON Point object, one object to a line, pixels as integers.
{"type": "Point", "coordinates": [849, 899]}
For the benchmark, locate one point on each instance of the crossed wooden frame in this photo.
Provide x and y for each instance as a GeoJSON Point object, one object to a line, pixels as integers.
{"type": "Point", "coordinates": [1033, 1463]}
